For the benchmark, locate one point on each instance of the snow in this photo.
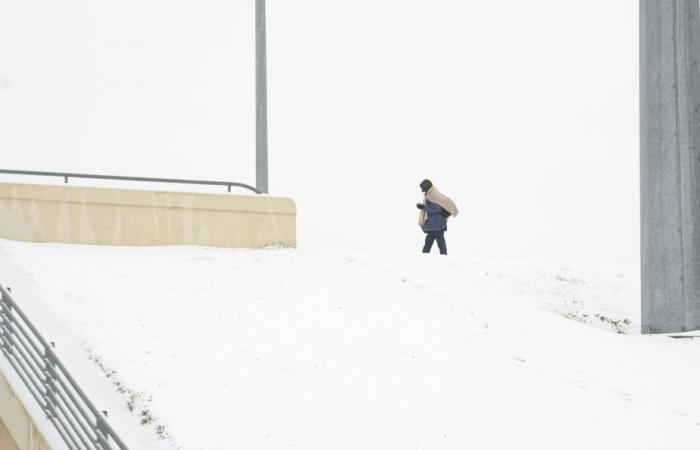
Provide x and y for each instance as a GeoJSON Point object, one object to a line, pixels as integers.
{"type": "Point", "coordinates": [283, 349]}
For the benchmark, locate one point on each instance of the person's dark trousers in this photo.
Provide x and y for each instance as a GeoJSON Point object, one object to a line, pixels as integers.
{"type": "Point", "coordinates": [432, 236]}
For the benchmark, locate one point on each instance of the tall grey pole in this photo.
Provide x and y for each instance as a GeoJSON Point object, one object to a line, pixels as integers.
{"type": "Point", "coordinates": [670, 165]}
{"type": "Point", "coordinates": [260, 98]}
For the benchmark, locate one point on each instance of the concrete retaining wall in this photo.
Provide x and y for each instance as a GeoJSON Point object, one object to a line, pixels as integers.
{"type": "Point", "coordinates": [17, 429]}
{"type": "Point", "coordinates": [78, 215]}
{"type": "Point", "coordinates": [6, 440]}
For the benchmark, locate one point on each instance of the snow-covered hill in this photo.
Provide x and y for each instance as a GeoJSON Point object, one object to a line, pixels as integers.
{"type": "Point", "coordinates": [287, 349]}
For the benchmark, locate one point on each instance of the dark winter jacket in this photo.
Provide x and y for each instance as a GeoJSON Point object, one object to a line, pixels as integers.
{"type": "Point", "coordinates": [436, 220]}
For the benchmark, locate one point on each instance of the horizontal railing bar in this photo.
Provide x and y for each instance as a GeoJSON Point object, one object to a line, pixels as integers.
{"type": "Point", "coordinates": [20, 358]}
{"type": "Point", "coordinates": [36, 355]}
{"type": "Point", "coordinates": [78, 426]}
{"type": "Point", "coordinates": [58, 425]}
{"type": "Point", "coordinates": [65, 421]}
{"type": "Point", "coordinates": [28, 341]}
{"type": "Point", "coordinates": [66, 391]}
{"type": "Point", "coordinates": [20, 372]}
{"type": "Point", "coordinates": [102, 439]}
{"type": "Point", "coordinates": [62, 397]}
{"type": "Point", "coordinates": [6, 316]}
{"type": "Point", "coordinates": [70, 399]}
{"type": "Point", "coordinates": [72, 383]}
{"type": "Point", "coordinates": [67, 175]}
{"type": "Point", "coordinates": [8, 298]}
{"type": "Point", "coordinates": [111, 434]}
{"type": "Point", "coordinates": [81, 394]}
{"type": "Point", "coordinates": [36, 369]}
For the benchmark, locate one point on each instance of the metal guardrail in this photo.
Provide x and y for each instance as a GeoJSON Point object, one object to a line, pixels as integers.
{"type": "Point", "coordinates": [79, 423]}
{"type": "Point", "coordinates": [67, 176]}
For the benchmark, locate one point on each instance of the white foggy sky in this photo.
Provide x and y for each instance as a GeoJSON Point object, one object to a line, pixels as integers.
{"type": "Point", "coordinates": [526, 113]}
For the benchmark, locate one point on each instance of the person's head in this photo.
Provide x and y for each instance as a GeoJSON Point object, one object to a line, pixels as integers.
{"type": "Point", "coordinates": [425, 185]}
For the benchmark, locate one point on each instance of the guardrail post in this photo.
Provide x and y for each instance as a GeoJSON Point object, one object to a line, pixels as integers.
{"type": "Point", "coordinates": [102, 427]}
{"type": "Point", "coordinates": [49, 369]}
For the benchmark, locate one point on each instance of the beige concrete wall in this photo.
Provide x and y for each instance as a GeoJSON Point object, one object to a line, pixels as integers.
{"type": "Point", "coordinates": [6, 440]}
{"type": "Point", "coordinates": [17, 429]}
{"type": "Point", "coordinates": [78, 215]}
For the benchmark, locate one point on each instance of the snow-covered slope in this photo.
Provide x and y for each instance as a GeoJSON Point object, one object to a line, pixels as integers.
{"type": "Point", "coordinates": [287, 349]}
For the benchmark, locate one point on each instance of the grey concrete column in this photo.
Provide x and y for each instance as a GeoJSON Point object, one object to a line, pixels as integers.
{"type": "Point", "coordinates": [670, 165]}
{"type": "Point", "coordinates": [260, 98]}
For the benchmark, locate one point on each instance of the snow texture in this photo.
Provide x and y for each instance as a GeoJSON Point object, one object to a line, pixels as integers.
{"type": "Point", "coordinates": [283, 349]}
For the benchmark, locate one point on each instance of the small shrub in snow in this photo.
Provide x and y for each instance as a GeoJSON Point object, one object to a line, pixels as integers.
{"type": "Point", "coordinates": [134, 400]}
{"type": "Point", "coordinates": [146, 417]}
{"type": "Point", "coordinates": [619, 324]}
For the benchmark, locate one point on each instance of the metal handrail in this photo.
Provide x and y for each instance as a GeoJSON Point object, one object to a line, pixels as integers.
{"type": "Point", "coordinates": [78, 422]}
{"type": "Point", "coordinates": [66, 176]}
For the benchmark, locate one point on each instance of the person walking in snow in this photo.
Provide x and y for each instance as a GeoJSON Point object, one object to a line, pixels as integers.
{"type": "Point", "coordinates": [434, 211]}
